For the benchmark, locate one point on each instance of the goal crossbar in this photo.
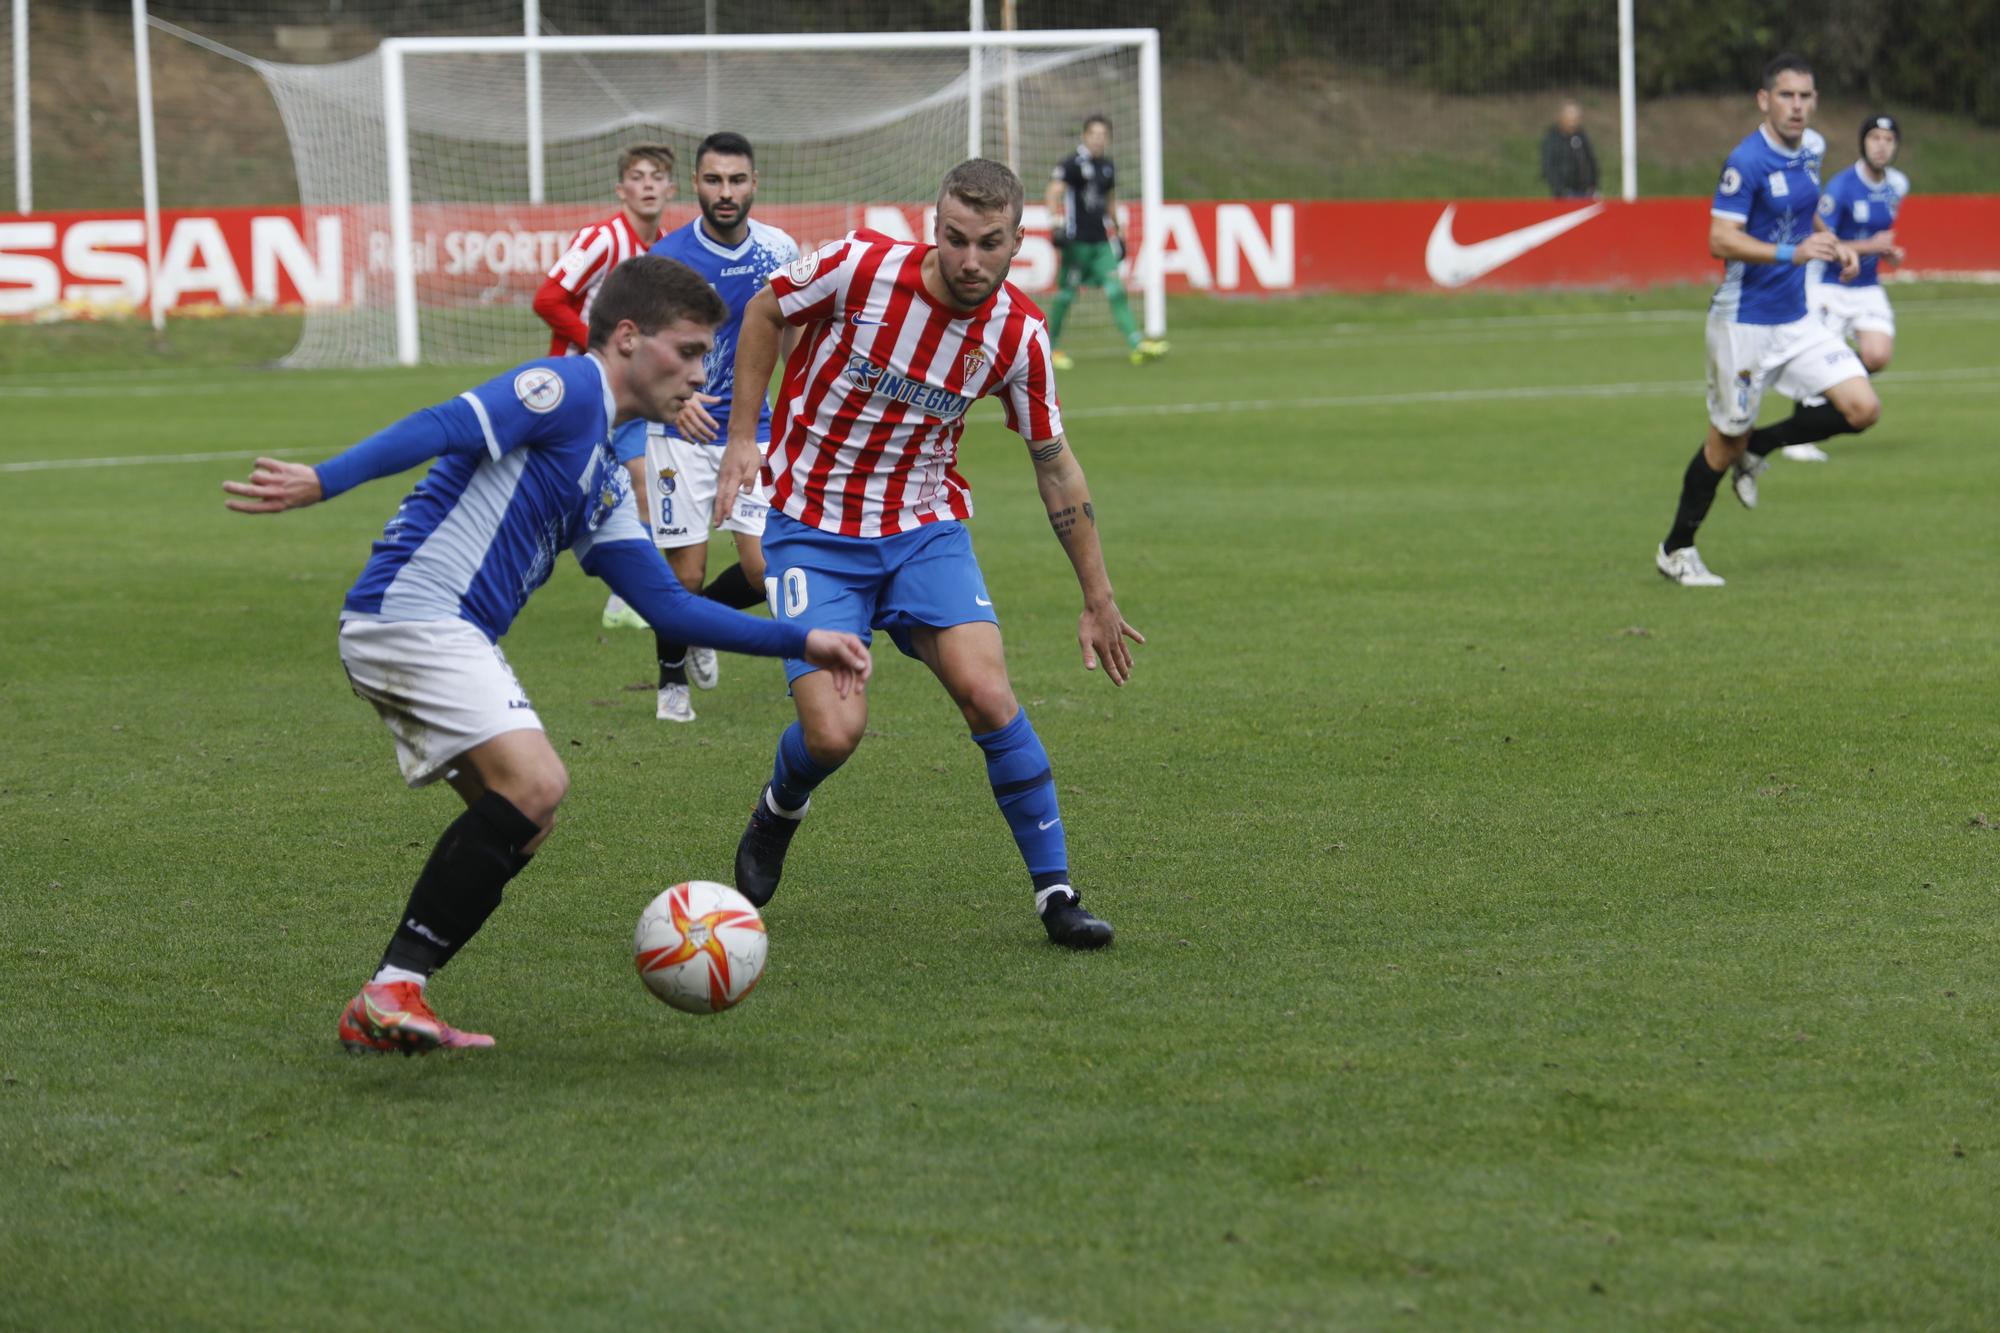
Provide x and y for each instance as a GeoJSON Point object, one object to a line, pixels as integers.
{"type": "Point", "coordinates": [395, 51]}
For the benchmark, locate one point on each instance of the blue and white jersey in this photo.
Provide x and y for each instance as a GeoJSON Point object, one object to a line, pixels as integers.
{"type": "Point", "coordinates": [737, 274]}
{"type": "Point", "coordinates": [1856, 208]}
{"type": "Point", "coordinates": [528, 472]}
{"type": "Point", "coordinates": [1774, 190]}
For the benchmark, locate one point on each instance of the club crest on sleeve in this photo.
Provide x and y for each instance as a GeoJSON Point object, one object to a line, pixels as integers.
{"type": "Point", "coordinates": [1732, 180]}
{"type": "Point", "coordinates": [539, 389]}
{"type": "Point", "coordinates": [801, 270]}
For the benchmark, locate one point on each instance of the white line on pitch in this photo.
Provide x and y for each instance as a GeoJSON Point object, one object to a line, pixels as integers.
{"type": "Point", "coordinates": [1519, 393]}
{"type": "Point", "coordinates": [280, 381]}
{"type": "Point", "coordinates": [1966, 377]}
{"type": "Point", "coordinates": [137, 460]}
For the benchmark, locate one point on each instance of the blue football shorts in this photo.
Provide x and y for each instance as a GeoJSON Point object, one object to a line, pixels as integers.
{"type": "Point", "coordinates": [822, 580]}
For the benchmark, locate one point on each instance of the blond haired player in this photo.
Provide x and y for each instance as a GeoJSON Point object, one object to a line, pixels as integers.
{"type": "Point", "coordinates": [645, 183]}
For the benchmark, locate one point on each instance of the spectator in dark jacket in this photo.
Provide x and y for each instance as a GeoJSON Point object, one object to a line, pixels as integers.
{"type": "Point", "coordinates": [1568, 164]}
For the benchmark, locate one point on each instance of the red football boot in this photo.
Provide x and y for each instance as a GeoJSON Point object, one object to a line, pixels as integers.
{"type": "Point", "coordinates": [394, 1016]}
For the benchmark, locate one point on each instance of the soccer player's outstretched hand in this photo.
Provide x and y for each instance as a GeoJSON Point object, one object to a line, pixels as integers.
{"type": "Point", "coordinates": [274, 486]}
{"type": "Point", "coordinates": [842, 655]}
{"type": "Point", "coordinates": [694, 422]}
{"type": "Point", "coordinates": [1102, 631]}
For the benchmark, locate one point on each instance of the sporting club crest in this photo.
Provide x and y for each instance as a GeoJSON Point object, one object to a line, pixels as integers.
{"type": "Point", "coordinates": [539, 389]}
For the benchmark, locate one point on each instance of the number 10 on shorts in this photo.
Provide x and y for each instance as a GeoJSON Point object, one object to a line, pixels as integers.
{"type": "Point", "coordinates": [795, 594]}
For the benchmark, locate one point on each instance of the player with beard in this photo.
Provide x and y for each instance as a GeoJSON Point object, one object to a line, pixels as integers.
{"type": "Point", "coordinates": [867, 530]}
{"type": "Point", "coordinates": [674, 463]}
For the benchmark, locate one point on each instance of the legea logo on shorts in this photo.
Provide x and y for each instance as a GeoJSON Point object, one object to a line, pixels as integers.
{"type": "Point", "coordinates": [539, 389]}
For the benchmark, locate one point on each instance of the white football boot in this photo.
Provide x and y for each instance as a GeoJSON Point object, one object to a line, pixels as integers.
{"type": "Point", "coordinates": [1805, 453]}
{"type": "Point", "coordinates": [1743, 474]}
{"type": "Point", "coordinates": [702, 668]}
{"type": "Point", "coordinates": [1685, 568]}
{"type": "Point", "coordinates": [674, 705]}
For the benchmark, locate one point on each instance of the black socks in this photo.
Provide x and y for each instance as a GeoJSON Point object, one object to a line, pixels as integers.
{"type": "Point", "coordinates": [1697, 494]}
{"type": "Point", "coordinates": [1806, 425]}
{"type": "Point", "coordinates": [733, 588]}
{"type": "Point", "coordinates": [461, 883]}
{"type": "Point", "coordinates": [673, 660]}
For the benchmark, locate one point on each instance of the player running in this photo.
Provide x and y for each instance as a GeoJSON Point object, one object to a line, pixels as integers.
{"type": "Point", "coordinates": [1762, 227]}
{"type": "Point", "coordinates": [867, 529]}
{"type": "Point", "coordinates": [524, 470]}
{"type": "Point", "coordinates": [1860, 207]}
{"type": "Point", "coordinates": [645, 184]}
{"type": "Point", "coordinates": [676, 484]}
{"type": "Point", "coordinates": [1083, 223]}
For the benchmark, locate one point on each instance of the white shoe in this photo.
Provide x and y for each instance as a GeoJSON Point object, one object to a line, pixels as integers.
{"type": "Point", "coordinates": [674, 705]}
{"type": "Point", "coordinates": [617, 615]}
{"type": "Point", "coordinates": [1685, 568]}
{"type": "Point", "coordinates": [1743, 474]}
{"type": "Point", "coordinates": [1805, 453]}
{"type": "Point", "coordinates": [702, 668]}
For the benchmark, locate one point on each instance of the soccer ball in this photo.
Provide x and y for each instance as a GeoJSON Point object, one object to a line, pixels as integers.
{"type": "Point", "coordinates": [700, 946]}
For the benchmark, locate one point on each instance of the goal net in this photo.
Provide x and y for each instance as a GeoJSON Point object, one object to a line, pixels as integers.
{"type": "Point", "coordinates": [455, 171]}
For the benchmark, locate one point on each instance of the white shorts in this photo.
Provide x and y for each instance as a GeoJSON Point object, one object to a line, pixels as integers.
{"type": "Point", "coordinates": [439, 685]}
{"type": "Point", "coordinates": [680, 483]}
{"type": "Point", "coordinates": [1746, 359]}
{"type": "Point", "coordinates": [1851, 310]}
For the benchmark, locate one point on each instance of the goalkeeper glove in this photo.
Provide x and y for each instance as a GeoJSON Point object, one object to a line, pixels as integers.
{"type": "Point", "coordinates": [1117, 248]}
{"type": "Point", "coordinates": [1059, 238]}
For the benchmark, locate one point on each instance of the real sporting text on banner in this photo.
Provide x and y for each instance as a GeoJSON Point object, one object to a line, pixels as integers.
{"type": "Point", "coordinates": [54, 265]}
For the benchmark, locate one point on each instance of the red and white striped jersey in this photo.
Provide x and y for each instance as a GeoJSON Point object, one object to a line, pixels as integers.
{"type": "Point", "coordinates": [865, 439]}
{"type": "Point", "coordinates": [592, 253]}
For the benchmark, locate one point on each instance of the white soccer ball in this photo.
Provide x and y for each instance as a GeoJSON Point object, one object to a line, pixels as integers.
{"type": "Point", "coordinates": [700, 946]}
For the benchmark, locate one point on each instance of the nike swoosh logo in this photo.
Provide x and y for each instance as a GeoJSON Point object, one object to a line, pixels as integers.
{"type": "Point", "coordinates": [858, 319]}
{"type": "Point", "coordinates": [981, 601]}
{"type": "Point", "coordinates": [1046, 825]}
{"type": "Point", "coordinates": [1453, 265]}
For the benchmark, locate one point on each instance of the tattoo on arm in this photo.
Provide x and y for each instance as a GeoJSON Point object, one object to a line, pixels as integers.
{"type": "Point", "coordinates": [1090, 512]}
{"type": "Point", "coordinates": [1046, 452]}
{"type": "Point", "coordinates": [1062, 520]}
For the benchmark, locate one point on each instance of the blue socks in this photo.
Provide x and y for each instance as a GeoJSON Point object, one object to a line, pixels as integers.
{"type": "Point", "coordinates": [795, 773]}
{"type": "Point", "coordinates": [1016, 765]}
{"type": "Point", "coordinates": [1024, 786]}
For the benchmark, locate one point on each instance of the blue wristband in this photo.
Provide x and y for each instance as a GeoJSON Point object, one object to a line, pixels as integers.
{"type": "Point", "coordinates": [1785, 251]}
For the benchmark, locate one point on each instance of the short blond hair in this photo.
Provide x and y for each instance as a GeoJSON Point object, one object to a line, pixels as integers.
{"type": "Point", "coordinates": [659, 154]}
{"type": "Point", "coordinates": [986, 185]}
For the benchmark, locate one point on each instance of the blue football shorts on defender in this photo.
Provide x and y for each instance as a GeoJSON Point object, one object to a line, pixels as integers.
{"type": "Point", "coordinates": [822, 580]}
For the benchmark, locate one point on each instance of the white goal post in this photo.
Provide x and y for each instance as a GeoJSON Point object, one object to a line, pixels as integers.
{"type": "Point", "coordinates": [405, 62]}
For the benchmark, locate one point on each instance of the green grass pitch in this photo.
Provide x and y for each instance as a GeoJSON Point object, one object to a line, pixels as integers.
{"type": "Point", "coordinates": [1506, 937]}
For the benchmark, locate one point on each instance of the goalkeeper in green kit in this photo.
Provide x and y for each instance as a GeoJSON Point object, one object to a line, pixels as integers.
{"type": "Point", "coordinates": [1085, 230]}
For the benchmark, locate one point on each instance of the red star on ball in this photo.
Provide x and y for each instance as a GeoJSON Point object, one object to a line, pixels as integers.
{"type": "Point", "coordinates": [700, 935]}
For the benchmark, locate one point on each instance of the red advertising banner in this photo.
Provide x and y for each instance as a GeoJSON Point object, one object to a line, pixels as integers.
{"type": "Point", "coordinates": [54, 265]}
